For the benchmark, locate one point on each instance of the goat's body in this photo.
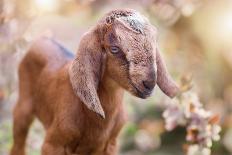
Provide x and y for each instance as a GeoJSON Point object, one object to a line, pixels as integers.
{"type": "Point", "coordinates": [45, 92]}
{"type": "Point", "coordinates": [79, 100]}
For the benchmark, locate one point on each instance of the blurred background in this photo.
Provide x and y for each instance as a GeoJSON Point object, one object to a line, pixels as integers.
{"type": "Point", "coordinates": [195, 37]}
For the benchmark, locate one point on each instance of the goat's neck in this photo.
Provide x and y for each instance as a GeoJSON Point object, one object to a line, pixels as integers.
{"type": "Point", "coordinates": [110, 95]}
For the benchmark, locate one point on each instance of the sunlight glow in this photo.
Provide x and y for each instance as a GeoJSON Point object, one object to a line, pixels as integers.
{"type": "Point", "coordinates": [46, 5]}
{"type": "Point", "coordinates": [224, 25]}
{"type": "Point", "coordinates": [227, 22]}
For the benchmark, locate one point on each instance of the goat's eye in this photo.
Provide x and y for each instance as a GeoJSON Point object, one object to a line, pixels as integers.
{"type": "Point", "coordinates": [114, 49]}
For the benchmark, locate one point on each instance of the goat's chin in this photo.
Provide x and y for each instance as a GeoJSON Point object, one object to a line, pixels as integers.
{"type": "Point", "coordinates": [139, 94]}
{"type": "Point", "coordinates": [143, 95]}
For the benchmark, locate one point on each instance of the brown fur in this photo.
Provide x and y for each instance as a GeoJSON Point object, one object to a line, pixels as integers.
{"type": "Point", "coordinates": [65, 94]}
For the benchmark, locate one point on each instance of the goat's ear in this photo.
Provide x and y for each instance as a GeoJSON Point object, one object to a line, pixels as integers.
{"type": "Point", "coordinates": [164, 80]}
{"type": "Point", "coordinates": [86, 71]}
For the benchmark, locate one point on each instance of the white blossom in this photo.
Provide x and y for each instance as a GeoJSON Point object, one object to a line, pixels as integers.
{"type": "Point", "coordinates": [200, 124]}
{"type": "Point", "coordinates": [197, 150]}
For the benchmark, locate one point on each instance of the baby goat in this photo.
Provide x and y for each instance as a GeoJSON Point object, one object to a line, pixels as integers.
{"type": "Point", "coordinates": [78, 98]}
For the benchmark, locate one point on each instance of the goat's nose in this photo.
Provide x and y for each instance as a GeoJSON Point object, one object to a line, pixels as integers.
{"type": "Point", "coordinates": [150, 81]}
{"type": "Point", "coordinates": [149, 84]}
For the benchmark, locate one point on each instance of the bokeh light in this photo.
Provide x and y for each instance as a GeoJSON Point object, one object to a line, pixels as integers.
{"type": "Point", "coordinates": [46, 5]}
{"type": "Point", "coordinates": [224, 24]}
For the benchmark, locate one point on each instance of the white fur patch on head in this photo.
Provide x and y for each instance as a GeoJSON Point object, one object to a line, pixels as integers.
{"type": "Point", "coordinates": [131, 18]}
{"type": "Point", "coordinates": [136, 21]}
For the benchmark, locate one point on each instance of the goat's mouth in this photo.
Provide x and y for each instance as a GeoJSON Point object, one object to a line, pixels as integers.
{"type": "Point", "coordinates": [141, 94]}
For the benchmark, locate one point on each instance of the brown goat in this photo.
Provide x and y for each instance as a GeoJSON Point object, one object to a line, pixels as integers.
{"type": "Point", "coordinates": [65, 92]}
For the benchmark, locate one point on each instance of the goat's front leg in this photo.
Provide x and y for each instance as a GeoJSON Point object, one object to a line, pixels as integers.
{"type": "Point", "coordinates": [53, 144]}
{"type": "Point", "coordinates": [58, 136]}
{"type": "Point", "coordinates": [111, 147]}
{"type": "Point", "coordinates": [52, 149]}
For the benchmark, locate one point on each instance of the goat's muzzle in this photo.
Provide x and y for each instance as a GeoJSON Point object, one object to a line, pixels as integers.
{"type": "Point", "coordinates": [146, 86]}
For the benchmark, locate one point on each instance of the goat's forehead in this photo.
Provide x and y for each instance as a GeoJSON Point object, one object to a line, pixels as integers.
{"type": "Point", "coordinates": [137, 45]}
{"type": "Point", "coordinates": [131, 40]}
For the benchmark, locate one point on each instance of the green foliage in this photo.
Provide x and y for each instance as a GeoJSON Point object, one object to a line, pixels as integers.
{"type": "Point", "coordinates": [5, 137]}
